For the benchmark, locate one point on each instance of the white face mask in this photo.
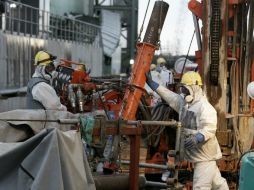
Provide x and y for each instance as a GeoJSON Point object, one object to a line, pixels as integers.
{"type": "Point", "coordinates": [186, 93]}
{"type": "Point", "coordinates": [46, 75]}
{"type": "Point", "coordinates": [188, 98]}
{"type": "Point", "coordinates": [54, 74]}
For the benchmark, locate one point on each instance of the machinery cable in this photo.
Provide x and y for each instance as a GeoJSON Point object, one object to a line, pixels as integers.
{"type": "Point", "coordinates": [142, 26]}
{"type": "Point", "coordinates": [187, 55]}
{"type": "Point", "coordinates": [102, 102]}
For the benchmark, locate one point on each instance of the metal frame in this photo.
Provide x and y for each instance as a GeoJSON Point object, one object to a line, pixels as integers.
{"type": "Point", "coordinates": [30, 21]}
{"type": "Point", "coordinates": [133, 129]}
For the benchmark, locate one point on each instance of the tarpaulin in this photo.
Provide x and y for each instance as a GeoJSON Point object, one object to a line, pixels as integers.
{"type": "Point", "coordinates": [37, 152]}
{"type": "Point", "coordinates": [52, 160]}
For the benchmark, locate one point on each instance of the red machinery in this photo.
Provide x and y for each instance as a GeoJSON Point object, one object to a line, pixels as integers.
{"type": "Point", "coordinates": [223, 56]}
{"type": "Point", "coordinates": [78, 94]}
{"type": "Point", "coordinates": [85, 94]}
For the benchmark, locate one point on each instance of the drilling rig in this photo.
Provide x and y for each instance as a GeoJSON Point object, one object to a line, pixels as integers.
{"type": "Point", "coordinates": [225, 58]}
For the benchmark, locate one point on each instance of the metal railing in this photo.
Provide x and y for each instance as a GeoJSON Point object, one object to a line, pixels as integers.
{"type": "Point", "coordinates": [22, 19]}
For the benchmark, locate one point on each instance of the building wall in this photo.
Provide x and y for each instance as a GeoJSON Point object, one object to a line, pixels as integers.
{"type": "Point", "coordinates": [17, 53]}
{"type": "Point", "coordinates": [12, 103]}
{"type": "Point", "coordinates": [17, 59]}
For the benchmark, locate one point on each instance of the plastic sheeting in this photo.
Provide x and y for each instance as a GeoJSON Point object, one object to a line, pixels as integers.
{"type": "Point", "coordinates": [51, 159]}
{"type": "Point", "coordinates": [31, 122]}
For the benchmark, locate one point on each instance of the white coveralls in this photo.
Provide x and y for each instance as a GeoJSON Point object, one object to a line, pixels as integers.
{"type": "Point", "coordinates": [46, 95]}
{"type": "Point", "coordinates": [199, 116]}
{"type": "Point", "coordinates": [156, 76]}
{"type": "Point", "coordinates": [166, 76]}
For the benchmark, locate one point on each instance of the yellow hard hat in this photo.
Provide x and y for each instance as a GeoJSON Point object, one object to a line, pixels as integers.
{"type": "Point", "coordinates": [191, 78]}
{"type": "Point", "coordinates": [43, 58]}
{"type": "Point", "coordinates": [152, 67]}
{"type": "Point", "coordinates": [161, 60]}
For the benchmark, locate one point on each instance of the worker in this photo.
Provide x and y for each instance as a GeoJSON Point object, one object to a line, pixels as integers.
{"type": "Point", "coordinates": [166, 75]}
{"type": "Point", "coordinates": [40, 93]}
{"type": "Point", "coordinates": [156, 77]}
{"type": "Point", "coordinates": [199, 119]}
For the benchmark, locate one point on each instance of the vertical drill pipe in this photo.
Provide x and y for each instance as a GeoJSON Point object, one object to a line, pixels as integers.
{"type": "Point", "coordinates": [132, 96]}
{"type": "Point", "coordinates": [145, 52]}
{"type": "Point", "coordinates": [156, 21]}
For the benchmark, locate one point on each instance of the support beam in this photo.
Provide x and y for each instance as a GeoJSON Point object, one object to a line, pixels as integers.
{"type": "Point", "coordinates": [113, 8]}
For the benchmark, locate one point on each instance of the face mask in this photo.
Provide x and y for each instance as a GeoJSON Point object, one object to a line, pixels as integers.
{"type": "Point", "coordinates": [158, 69]}
{"type": "Point", "coordinates": [44, 73]}
{"type": "Point", "coordinates": [188, 98]}
{"type": "Point", "coordinates": [185, 93]}
{"type": "Point", "coordinates": [54, 74]}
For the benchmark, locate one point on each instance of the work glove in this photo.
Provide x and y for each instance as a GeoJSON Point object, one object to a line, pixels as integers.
{"type": "Point", "coordinates": [191, 141]}
{"type": "Point", "coordinates": [152, 84]}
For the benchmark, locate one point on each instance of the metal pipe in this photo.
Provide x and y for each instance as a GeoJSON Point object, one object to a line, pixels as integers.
{"type": "Point", "coordinates": [152, 35]}
{"type": "Point", "coordinates": [172, 181]}
{"type": "Point", "coordinates": [74, 121]}
{"type": "Point", "coordinates": [72, 97]}
{"type": "Point", "coordinates": [147, 123]}
{"type": "Point", "coordinates": [62, 121]}
{"type": "Point", "coordinates": [156, 184]}
{"type": "Point", "coordinates": [80, 97]}
{"type": "Point", "coordinates": [116, 182]}
{"type": "Point", "coordinates": [147, 165]}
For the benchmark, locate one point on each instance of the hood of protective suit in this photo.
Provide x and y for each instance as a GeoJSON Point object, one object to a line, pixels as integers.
{"type": "Point", "coordinates": [196, 93]}
{"type": "Point", "coordinates": [41, 72]}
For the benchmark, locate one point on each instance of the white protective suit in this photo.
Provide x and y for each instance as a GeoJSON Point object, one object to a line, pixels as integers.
{"type": "Point", "coordinates": [166, 76]}
{"type": "Point", "coordinates": [46, 94]}
{"type": "Point", "coordinates": [156, 76]}
{"type": "Point", "coordinates": [199, 116]}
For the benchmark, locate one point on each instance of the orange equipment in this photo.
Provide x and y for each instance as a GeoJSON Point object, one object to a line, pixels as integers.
{"type": "Point", "coordinates": [145, 52]}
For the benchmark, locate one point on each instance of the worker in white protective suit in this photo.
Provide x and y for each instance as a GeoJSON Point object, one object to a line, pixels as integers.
{"type": "Point", "coordinates": [157, 78]}
{"type": "Point", "coordinates": [165, 74]}
{"type": "Point", "coordinates": [199, 119]}
{"type": "Point", "coordinates": [40, 93]}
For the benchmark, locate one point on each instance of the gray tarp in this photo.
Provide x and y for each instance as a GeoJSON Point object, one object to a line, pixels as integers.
{"type": "Point", "coordinates": [15, 131]}
{"type": "Point", "coordinates": [52, 159]}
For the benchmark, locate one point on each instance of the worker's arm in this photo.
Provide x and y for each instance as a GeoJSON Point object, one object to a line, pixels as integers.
{"type": "Point", "coordinates": [174, 100]}
{"type": "Point", "coordinates": [46, 94]}
{"type": "Point", "coordinates": [208, 121]}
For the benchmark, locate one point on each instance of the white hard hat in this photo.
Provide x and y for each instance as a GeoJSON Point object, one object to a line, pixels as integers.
{"type": "Point", "coordinates": [188, 65]}
{"type": "Point", "coordinates": [250, 90]}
